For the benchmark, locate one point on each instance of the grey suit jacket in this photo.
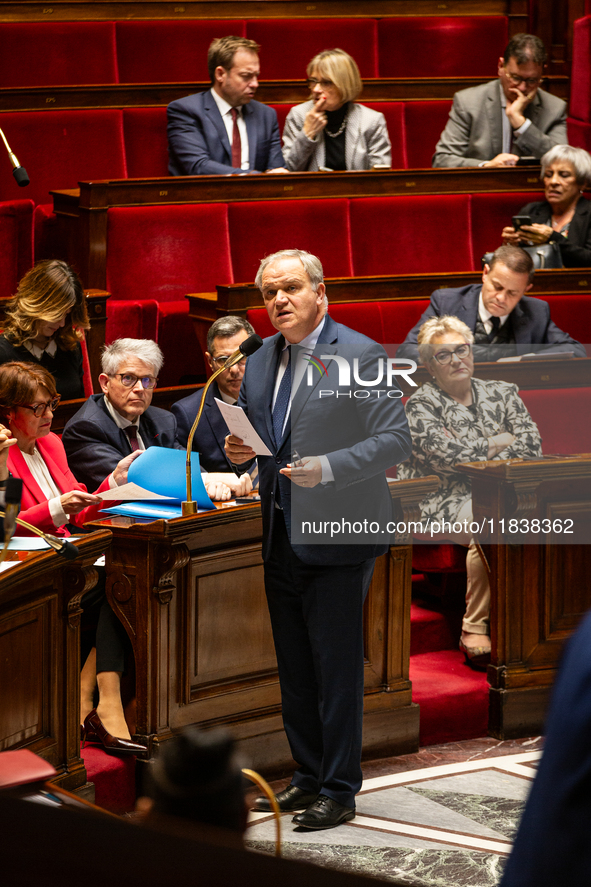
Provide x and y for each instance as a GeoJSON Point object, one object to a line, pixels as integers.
{"type": "Point", "coordinates": [474, 131]}
{"type": "Point", "coordinates": [366, 141]}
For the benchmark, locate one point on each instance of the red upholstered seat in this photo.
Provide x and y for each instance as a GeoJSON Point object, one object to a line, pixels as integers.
{"type": "Point", "coordinates": [259, 318]}
{"type": "Point", "coordinates": [146, 146]}
{"type": "Point", "coordinates": [579, 134]}
{"type": "Point", "coordinates": [282, 111]}
{"type": "Point", "coordinates": [438, 46]}
{"type": "Point", "coordinates": [306, 37]}
{"type": "Point", "coordinates": [424, 122]}
{"type": "Point", "coordinates": [131, 318]}
{"type": "Point", "coordinates": [563, 417]}
{"type": "Point", "coordinates": [16, 244]}
{"type": "Point", "coordinates": [489, 214]}
{"type": "Point", "coordinates": [60, 148]}
{"type": "Point", "coordinates": [57, 53]}
{"type": "Point", "coordinates": [414, 234]}
{"type": "Point", "coordinates": [572, 313]}
{"type": "Point", "coordinates": [319, 226]}
{"type": "Point", "coordinates": [394, 114]}
{"type": "Point", "coordinates": [161, 253]}
{"type": "Point", "coordinates": [580, 89]}
{"type": "Point", "coordinates": [168, 51]}
{"type": "Point", "coordinates": [398, 317]}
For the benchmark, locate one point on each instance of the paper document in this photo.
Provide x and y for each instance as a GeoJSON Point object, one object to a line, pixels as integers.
{"type": "Point", "coordinates": [130, 492]}
{"type": "Point", "coordinates": [240, 426]}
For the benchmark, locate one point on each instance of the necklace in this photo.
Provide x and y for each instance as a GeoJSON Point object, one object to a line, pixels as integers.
{"type": "Point", "coordinates": [341, 128]}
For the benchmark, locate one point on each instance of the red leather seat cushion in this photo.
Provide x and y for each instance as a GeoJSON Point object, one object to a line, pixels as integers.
{"type": "Point", "coordinates": [424, 122]}
{"type": "Point", "coordinates": [57, 54]}
{"type": "Point", "coordinates": [440, 46]}
{"type": "Point", "coordinates": [133, 319]}
{"type": "Point", "coordinates": [418, 234]}
{"type": "Point", "coordinates": [169, 51]}
{"type": "Point", "coordinates": [319, 226]}
{"type": "Point", "coordinates": [287, 45]}
{"type": "Point", "coordinates": [60, 148]}
{"type": "Point", "coordinates": [146, 147]}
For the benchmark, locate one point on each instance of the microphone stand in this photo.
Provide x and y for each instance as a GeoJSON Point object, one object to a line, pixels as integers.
{"type": "Point", "coordinates": [61, 546]}
{"type": "Point", "coordinates": [19, 172]}
{"type": "Point", "coordinates": [247, 347]}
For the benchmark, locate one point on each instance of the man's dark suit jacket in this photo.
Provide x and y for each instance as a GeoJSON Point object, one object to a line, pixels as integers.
{"type": "Point", "coordinates": [530, 319]}
{"type": "Point", "coordinates": [576, 248]}
{"type": "Point", "coordinates": [94, 444]}
{"type": "Point", "coordinates": [198, 142]}
{"type": "Point", "coordinates": [362, 437]}
{"type": "Point", "coordinates": [552, 844]}
{"type": "Point", "coordinates": [211, 431]}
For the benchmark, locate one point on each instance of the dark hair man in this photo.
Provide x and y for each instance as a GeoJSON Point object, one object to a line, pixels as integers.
{"type": "Point", "coordinates": [495, 123]}
{"type": "Point", "coordinates": [503, 319]}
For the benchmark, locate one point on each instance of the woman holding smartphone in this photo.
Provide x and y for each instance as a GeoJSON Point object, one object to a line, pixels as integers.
{"type": "Point", "coordinates": [564, 217]}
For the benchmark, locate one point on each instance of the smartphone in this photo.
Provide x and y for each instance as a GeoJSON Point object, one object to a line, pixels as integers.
{"type": "Point", "coordinates": [528, 160]}
{"type": "Point", "coordinates": [518, 221]}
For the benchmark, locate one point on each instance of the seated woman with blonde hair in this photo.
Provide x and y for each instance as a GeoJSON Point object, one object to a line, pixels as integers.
{"type": "Point", "coordinates": [332, 131]}
{"type": "Point", "coordinates": [53, 501]}
{"type": "Point", "coordinates": [45, 323]}
{"type": "Point", "coordinates": [455, 418]}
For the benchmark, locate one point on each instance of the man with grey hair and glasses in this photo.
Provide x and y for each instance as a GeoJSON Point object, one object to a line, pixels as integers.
{"type": "Point", "coordinates": [121, 420]}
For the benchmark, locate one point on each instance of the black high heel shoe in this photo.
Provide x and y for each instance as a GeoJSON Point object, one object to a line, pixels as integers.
{"type": "Point", "coordinates": [95, 731]}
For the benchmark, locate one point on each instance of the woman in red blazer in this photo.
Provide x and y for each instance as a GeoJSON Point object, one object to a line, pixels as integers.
{"type": "Point", "coordinates": [54, 501]}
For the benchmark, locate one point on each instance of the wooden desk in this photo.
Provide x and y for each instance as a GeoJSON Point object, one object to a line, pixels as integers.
{"type": "Point", "coordinates": [539, 592]}
{"type": "Point", "coordinates": [40, 655]}
{"type": "Point", "coordinates": [190, 595]}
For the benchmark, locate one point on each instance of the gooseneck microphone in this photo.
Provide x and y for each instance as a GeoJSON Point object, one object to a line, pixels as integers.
{"type": "Point", "coordinates": [245, 349]}
{"type": "Point", "coordinates": [60, 546]}
{"type": "Point", "coordinates": [12, 498]}
{"type": "Point", "coordinates": [19, 172]}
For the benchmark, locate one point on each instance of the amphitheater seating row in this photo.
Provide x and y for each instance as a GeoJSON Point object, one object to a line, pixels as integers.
{"type": "Point", "coordinates": [72, 53]}
{"type": "Point", "coordinates": [61, 148]}
{"type": "Point", "coordinates": [579, 121]}
{"type": "Point", "coordinates": [157, 254]}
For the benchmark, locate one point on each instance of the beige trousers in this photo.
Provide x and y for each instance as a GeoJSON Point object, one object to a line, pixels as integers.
{"type": "Point", "coordinates": [476, 617]}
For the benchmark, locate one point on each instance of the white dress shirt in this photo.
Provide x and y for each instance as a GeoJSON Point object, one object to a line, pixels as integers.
{"type": "Point", "coordinates": [226, 111]}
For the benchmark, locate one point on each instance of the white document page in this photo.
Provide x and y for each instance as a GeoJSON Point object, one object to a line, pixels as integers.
{"type": "Point", "coordinates": [240, 426]}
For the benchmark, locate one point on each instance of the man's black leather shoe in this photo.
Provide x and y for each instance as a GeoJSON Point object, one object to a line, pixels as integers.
{"type": "Point", "coordinates": [324, 813]}
{"type": "Point", "coordinates": [290, 799]}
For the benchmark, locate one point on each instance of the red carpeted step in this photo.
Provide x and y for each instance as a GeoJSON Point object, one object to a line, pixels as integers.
{"type": "Point", "coordinates": [113, 777]}
{"type": "Point", "coordinates": [452, 696]}
{"type": "Point", "coordinates": [429, 630]}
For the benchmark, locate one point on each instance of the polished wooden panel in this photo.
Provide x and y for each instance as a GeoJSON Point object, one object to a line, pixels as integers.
{"type": "Point", "coordinates": [190, 594]}
{"type": "Point", "coordinates": [539, 592]}
{"type": "Point", "coordinates": [40, 655]}
{"type": "Point", "coordinates": [110, 10]}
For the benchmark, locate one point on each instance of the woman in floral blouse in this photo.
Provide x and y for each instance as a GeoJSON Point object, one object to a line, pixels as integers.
{"type": "Point", "coordinates": [455, 418]}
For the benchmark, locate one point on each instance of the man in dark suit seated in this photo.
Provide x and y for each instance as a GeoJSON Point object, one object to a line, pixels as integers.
{"type": "Point", "coordinates": [331, 441]}
{"type": "Point", "coordinates": [223, 338]}
{"type": "Point", "coordinates": [497, 122]}
{"type": "Point", "coordinates": [223, 130]}
{"type": "Point", "coordinates": [121, 419]}
{"type": "Point", "coordinates": [503, 319]}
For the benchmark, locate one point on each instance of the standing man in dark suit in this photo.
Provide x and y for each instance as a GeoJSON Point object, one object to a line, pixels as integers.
{"type": "Point", "coordinates": [497, 122]}
{"type": "Point", "coordinates": [223, 130]}
{"type": "Point", "coordinates": [223, 338]}
{"type": "Point", "coordinates": [331, 441]}
{"type": "Point", "coordinates": [503, 319]}
{"type": "Point", "coordinates": [120, 420]}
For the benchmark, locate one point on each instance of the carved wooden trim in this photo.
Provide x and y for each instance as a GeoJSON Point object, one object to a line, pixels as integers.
{"type": "Point", "coordinates": [78, 580]}
{"type": "Point", "coordinates": [169, 560]}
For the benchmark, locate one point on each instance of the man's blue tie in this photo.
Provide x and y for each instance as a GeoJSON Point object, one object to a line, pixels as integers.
{"type": "Point", "coordinates": [282, 401]}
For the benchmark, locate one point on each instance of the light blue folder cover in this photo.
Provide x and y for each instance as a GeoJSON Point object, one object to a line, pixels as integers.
{"type": "Point", "coordinates": [162, 470]}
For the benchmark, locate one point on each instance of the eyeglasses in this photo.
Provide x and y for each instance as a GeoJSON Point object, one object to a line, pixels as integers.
{"type": "Point", "coordinates": [220, 361]}
{"type": "Point", "coordinates": [517, 80]}
{"type": "Point", "coordinates": [445, 357]}
{"type": "Point", "coordinates": [130, 381]}
{"type": "Point", "coordinates": [38, 409]}
{"type": "Point", "coordinates": [312, 82]}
